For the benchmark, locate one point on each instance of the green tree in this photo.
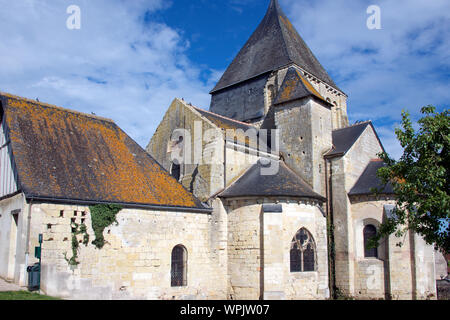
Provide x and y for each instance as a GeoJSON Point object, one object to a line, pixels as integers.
{"type": "Point", "coordinates": [420, 179]}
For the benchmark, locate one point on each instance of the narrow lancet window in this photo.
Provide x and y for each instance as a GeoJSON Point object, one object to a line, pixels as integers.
{"type": "Point", "coordinates": [369, 233]}
{"type": "Point", "coordinates": [179, 267]}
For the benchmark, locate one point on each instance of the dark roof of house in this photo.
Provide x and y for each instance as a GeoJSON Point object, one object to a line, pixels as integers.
{"type": "Point", "coordinates": [224, 122]}
{"type": "Point", "coordinates": [345, 138]}
{"type": "Point", "coordinates": [67, 155]}
{"type": "Point", "coordinates": [295, 87]}
{"type": "Point", "coordinates": [369, 180]}
{"type": "Point", "coordinates": [273, 45]}
{"type": "Point", "coordinates": [243, 137]}
{"type": "Point", "coordinates": [284, 183]}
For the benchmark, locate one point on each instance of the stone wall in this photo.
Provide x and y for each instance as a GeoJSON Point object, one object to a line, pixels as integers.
{"type": "Point", "coordinates": [13, 239]}
{"type": "Point", "coordinates": [242, 102]}
{"type": "Point", "coordinates": [345, 171]}
{"type": "Point", "coordinates": [259, 250]}
{"type": "Point", "coordinates": [135, 262]}
{"type": "Point", "coordinates": [244, 251]}
{"type": "Point", "coordinates": [371, 275]}
{"type": "Point", "coordinates": [202, 148]}
{"type": "Point", "coordinates": [404, 268]}
{"type": "Point", "coordinates": [305, 135]}
{"type": "Point", "coordinates": [238, 160]}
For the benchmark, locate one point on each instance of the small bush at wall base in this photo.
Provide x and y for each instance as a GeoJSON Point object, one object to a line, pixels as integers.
{"type": "Point", "coordinates": [102, 216]}
{"type": "Point", "coordinates": [339, 295]}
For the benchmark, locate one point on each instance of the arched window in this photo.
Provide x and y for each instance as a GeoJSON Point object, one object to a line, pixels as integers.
{"type": "Point", "coordinates": [303, 252]}
{"type": "Point", "coordinates": [179, 267]}
{"type": "Point", "coordinates": [369, 232]}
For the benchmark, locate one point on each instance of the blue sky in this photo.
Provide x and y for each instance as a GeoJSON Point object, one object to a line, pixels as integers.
{"type": "Point", "coordinates": [130, 59]}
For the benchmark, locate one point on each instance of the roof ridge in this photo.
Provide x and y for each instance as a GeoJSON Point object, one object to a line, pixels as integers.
{"type": "Point", "coordinates": [223, 117]}
{"type": "Point", "coordinates": [44, 104]}
{"type": "Point", "coordinates": [355, 125]}
{"type": "Point", "coordinates": [283, 36]}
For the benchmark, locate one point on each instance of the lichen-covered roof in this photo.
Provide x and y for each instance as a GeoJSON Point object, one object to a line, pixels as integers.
{"type": "Point", "coordinates": [369, 180]}
{"type": "Point", "coordinates": [296, 87]}
{"type": "Point", "coordinates": [63, 154]}
{"type": "Point", "coordinates": [273, 45]}
{"type": "Point", "coordinates": [285, 183]}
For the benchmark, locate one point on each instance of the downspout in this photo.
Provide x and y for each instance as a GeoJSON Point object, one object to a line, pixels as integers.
{"type": "Point", "coordinates": [224, 159]}
{"type": "Point", "coordinates": [330, 227]}
{"type": "Point", "coordinates": [332, 242]}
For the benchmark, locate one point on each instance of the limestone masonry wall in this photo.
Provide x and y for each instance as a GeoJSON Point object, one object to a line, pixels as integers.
{"type": "Point", "coordinates": [259, 251]}
{"type": "Point", "coordinates": [135, 263]}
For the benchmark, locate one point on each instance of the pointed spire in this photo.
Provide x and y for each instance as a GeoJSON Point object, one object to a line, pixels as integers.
{"type": "Point", "coordinates": [273, 45]}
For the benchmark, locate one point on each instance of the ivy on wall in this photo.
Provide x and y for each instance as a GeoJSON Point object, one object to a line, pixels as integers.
{"type": "Point", "coordinates": [103, 216]}
{"type": "Point", "coordinates": [77, 229]}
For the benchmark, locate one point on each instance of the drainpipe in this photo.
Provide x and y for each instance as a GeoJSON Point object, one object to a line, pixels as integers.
{"type": "Point", "coordinates": [224, 159]}
{"type": "Point", "coordinates": [330, 222]}
{"type": "Point", "coordinates": [331, 235]}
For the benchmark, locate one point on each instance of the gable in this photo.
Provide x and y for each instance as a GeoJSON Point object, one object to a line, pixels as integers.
{"type": "Point", "coordinates": [295, 87]}
{"type": "Point", "coordinates": [344, 139]}
{"type": "Point", "coordinates": [367, 142]}
{"type": "Point", "coordinates": [8, 173]}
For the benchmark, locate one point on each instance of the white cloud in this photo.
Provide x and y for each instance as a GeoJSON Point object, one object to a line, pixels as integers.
{"type": "Point", "coordinates": [405, 65]}
{"type": "Point", "coordinates": [122, 68]}
{"type": "Point", "coordinates": [116, 65]}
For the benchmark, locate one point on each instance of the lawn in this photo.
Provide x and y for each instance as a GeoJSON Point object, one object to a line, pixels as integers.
{"type": "Point", "coordinates": [23, 295]}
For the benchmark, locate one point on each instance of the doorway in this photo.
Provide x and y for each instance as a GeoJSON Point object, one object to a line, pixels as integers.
{"type": "Point", "coordinates": [13, 243]}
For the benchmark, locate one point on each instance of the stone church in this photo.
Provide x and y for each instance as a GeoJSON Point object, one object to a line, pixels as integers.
{"type": "Point", "coordinates": [268, 195]}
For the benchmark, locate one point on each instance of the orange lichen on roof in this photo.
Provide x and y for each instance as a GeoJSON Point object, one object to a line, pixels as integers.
{"type": "Point", "coordinates": [309, 86]}
{"type": "Point", "coordinates": [66, 154]}
{"type": "Point", "coordinates": [295, 86]}
{"type": "Point", "coordinates": [290, 84]}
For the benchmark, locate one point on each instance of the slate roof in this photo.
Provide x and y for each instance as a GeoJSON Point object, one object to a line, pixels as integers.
{"type": "Point", "coordinates": [345, 138]}
{"type": "Point", "coordinates": [296, 87]}
{"type": "Point", "coordinates": [369, 180]}
{"type": "Point", "coordinates": [285, 183]}
{"type": "Point", "coordinates": [224, 122]}
{"type": "Point", "coordinates": [67, 155]}
{"type": "Point", "coordinates": [273, 45]}
{"type": "Point", "coordinates": [231, 124]}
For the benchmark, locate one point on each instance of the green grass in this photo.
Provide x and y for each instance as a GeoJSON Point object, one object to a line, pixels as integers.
{"type": "Point", "coordinates": [23, 295]}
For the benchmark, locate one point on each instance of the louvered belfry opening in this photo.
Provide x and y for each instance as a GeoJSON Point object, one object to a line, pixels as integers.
{"type": "Point", "coordinates": [179, 267]}
{"type": "Point", "coordinates": [303, 252]}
